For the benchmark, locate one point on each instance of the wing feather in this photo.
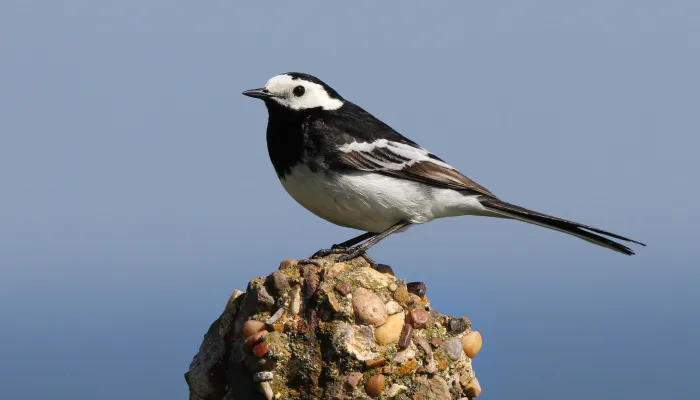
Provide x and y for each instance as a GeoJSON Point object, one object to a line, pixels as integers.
{"type": "Point", "coordinates": [407, 162]}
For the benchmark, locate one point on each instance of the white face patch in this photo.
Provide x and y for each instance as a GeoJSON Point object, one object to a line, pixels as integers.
{"type": "Point", "coordinates": [283, 87]}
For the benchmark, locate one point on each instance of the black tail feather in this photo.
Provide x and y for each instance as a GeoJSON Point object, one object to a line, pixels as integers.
{"type": "Point", "coordinates": [584, 232]}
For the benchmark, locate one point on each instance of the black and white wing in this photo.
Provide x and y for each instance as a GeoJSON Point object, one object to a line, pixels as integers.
{"type": "Point", "coordinates": [406, 161]}
{"type": "Point", "coordinates": [365, 143]}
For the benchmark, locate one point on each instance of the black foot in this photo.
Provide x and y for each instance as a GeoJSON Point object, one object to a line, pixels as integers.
{"type": "Point", "coordinates": [327, 252]}
{"type": "Point", "coordinates": [307, 261]}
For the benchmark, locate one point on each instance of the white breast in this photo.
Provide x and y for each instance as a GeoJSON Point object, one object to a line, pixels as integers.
{"type": "Point", "coordinates": [373, 202]}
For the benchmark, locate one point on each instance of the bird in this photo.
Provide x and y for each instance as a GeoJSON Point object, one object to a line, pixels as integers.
{"type": "Point", "coordinates": [348, 167]}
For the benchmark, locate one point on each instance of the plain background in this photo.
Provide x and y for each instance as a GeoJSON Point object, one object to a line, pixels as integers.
{"type": "Point", "coordinates": [136, 192]}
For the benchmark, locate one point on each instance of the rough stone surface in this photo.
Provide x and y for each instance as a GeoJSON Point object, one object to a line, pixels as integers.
{"type": "Point", "coordinates": [434, 388]}
{"type": "Point", "coordinates": [297, 334]}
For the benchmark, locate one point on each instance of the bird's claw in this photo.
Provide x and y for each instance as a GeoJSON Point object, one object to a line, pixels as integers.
{"type": "Point", "coordinates": [327, 252]}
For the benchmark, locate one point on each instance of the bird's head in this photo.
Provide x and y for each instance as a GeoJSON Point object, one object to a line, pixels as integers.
{"type": "Point", "coordinates": [297, 91]}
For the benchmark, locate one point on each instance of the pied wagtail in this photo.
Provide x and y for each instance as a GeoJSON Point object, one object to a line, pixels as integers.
{"type": "Point", "coordinates": [348, 167]}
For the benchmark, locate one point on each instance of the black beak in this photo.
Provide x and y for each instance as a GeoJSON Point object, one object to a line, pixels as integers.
{"type": "Point", "coordinates": [260, 93]}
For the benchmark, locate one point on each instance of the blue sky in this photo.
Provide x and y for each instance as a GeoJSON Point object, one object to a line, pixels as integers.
{"type": "Point", "coordinates": [136, 191]}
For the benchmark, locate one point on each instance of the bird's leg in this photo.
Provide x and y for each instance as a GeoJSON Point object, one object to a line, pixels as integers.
{"type": "Point", "coordinates": [360, 250]}
{"type": "Point", "coordinates": [343, 248]}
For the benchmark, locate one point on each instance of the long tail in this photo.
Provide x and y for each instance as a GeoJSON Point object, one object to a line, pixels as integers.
{"type": "Point", "coordinates": [584, 232]}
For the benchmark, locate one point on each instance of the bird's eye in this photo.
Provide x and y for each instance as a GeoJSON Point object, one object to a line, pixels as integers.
{"type": "Point", "coordinates": [299, 91]}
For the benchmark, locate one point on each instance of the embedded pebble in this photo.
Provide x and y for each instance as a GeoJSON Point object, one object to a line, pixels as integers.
{"type": "Point", "coordinates": [368, 307]}
{"type": "Point", "coordinates": [333, 302]}
{"type": "Point", "coordinates": [473, 389]}
{"type": "Point", "coordinates": [458, 325]}
{"type": "Point", "coordinates": [385, 269]}
{"type": "Point", "coordinates": [390, 331]}
{"type": "Point", "coordinates": [423, 344]}
{"type": "Point", "coordinates": [419, 318]}
{"type": "Point", "coordinates": [401, 294]}
{"type": "Point", "coordinates": [252, 327]}
{"type": "Point", "coordinates": [343, 287]}
{"type": "Point", "coordinates": [263, 376]}
{"type": "Point", "coordinates": [277, 315]}
{"type": "Point", "coordinates": [417, 288]}
{"type": "Point", "coordinates": [279, 281]}
{"type": "Point", "coordinates": [393, 307]}
{"type": "Point", "coordinates": [295, 300]}
{"type": "Point", "coordinates": [432, 367]}
{"type": "Point", "coordinates": [353, 379]}
{"type": "Point", "coordinates": [471, 343]}
{"type": "Point", "coordinates": [288, 264]}
{"type": "Point", "coordinates": [405, 337]}
{"type": "Point", "coordinates": [375, 385]}
{"type": "Point", "coordinates": [404, 355]}
{"type": "Point", "coordinates": [414, 299]}
{"type": "Point", "coordinates": [395, 389]}
{"type": "Point", "coordinates": [433, 389]}
{"type": "Point", "coordinates": [266, 390]}
{"type": "Point", "coordinates": [375, 362]}
{"type": "Point", "coordinates": [261, 298]}
{"type": "Point", "coordinates": [453, 348]}
{"type": "Point", "coordinates": [392, 286]}
{"type": "Point", "coordinates": [253, 340]}
{"type": "Point", "coordinates": [435, 341]}
{"type": "Point", "coordinates": [261, 349]}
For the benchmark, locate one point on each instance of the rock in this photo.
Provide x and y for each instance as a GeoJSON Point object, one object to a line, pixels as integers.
{"type": "Point", "coordinates": [261, 349]}
{"type": "Point", "coordinates": [392, 307]}
{"type": "Point", "coordinates": [343, 287]}
{"type": "Point", "coordinates": [434, 388]}
{"type": "Point", "coordinates": [405, 336]}
{"type": "Point", "coordinates": [453, 348]}
{"type": "Point", "coordinates": [435, 341]}
{"type": "Point", "coordinates": [278, 281]}
{"type": "Point", "coordinates": [414, 300]}
{"type": "Point", "coordinates": [352, 380]}
{"type": "Point", "coordinates": [326, 350]}
{"type": "Point", "coordinates": [277, 315]}
{"type": "Point", "coordinates": [404, 355]}
{"type": "Point", "coordinates": [458, 325]}
{"type": "Point", "coordinates": [385, 269]}
{"type": "Point", "coordinates": [254, 339]}
{"type": "Point", "coordinates": [260, 299]}
{"type": "Point", "coordinates": [252, 327]}
{"type": "Point", "coordinates": [286, 264]}
{"type": "Point", "coordinates": [432, 367]}
{"type": "Point", "coordinates": [266, 390]}
{"type": "Point", "coordinates": [395, 389]}
{"type": "Point", "coordinates": [368, 307]}
{"type": "Point", "coordinates": [419, 318]}
{"type": "Point", "coordinates": [417, 288]}
{"type": "Point", "coordinates": [263, 376]}
{"type": "Point", "coordinates": [295, 300]}
{"type": "Point", "coordinates": [357, 341]}
{"type": "Point", "coordinates": [236, 294]}
{"type": "Point", "coordinates": [390, 331]}
{"type": "Point", "coordinates": [375, 363]}
{"type": "Point", "coordinates": [471, 343]}
{"type": "Point", "coordinates": [422, 344]}
{"type": "Point", "coordinates": [401, 294]}
{"type": "Point", "coordinates": [333, 302]}
{"type": "Point", "coordinates": [473, 389]}
{"type": "Point", "coordinates": [368, 278]}
{"type": "Point", "coordinates": [375, 385]}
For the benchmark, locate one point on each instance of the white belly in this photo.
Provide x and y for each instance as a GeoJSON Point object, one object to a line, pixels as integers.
{"type": "Point", "coordinates": [374, 202]}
